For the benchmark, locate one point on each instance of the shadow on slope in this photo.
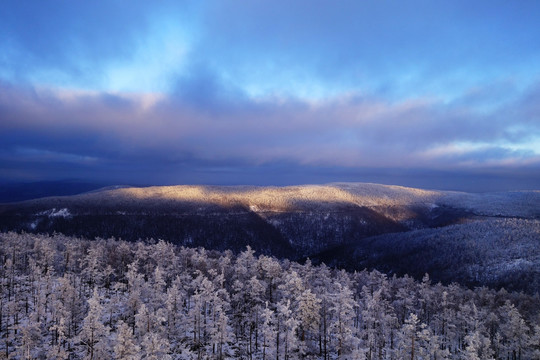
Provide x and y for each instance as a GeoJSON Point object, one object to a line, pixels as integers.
{"type": "Point", "coordinates": [492, 252]}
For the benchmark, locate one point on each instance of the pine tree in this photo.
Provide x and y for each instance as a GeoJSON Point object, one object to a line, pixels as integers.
{"type": "Point", "coordinates": [535, 343]}
{"type": "Point", "coordinates": [477, 343]}
{"type": "Point", "coordinates": [173, 305]}
{"type": "Point", "coordinates": [58, 351]}
{"type": "Point", "coordinates": [92, 265]}
{"type": "Point", "coordinates": [135, 285]}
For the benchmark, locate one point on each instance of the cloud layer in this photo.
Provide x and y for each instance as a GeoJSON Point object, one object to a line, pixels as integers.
{"type": "Point", "coordinates": [222, 91]}
{"type": "Point", "coordinates": [96, 129]}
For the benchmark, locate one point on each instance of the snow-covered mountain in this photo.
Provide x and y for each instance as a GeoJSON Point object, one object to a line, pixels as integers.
{"type": "Point", "coordinates": [494, 252]}
{"type": "Point", "coordinates": [298, 198]}
{"type": "Point", "coordinates": [293, 222]}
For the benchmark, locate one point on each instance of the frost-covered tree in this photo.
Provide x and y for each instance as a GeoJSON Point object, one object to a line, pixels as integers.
{"type": "Point", "coordinates": [199, 304]}
{"type": "Point", "coordinates": [92, 265]}
{"type": "Point", "coordinates": [94, 334]}
{"type": "Point", "coordinates": [286, 340]}
{"type": "Point", "coordinates": [308, 315]}
{"type": "Point", "coordinates": [268, 333]}
{"type": "Point", "coordinates": [135, 282]}
{"type": "Point", "coordinates": [173, 307]}
{"type": "Point", "coordinates": [125, 345]}
{"type": "Point", "coordinates": [408, 347]}
{"type": "Point", "coordinates": [59, 347]}
{"type": "Point", "coordinates": [155, 347]}
{"type": "Point", "coordinates": [378, 324]}
{"type": "Point", "coordinates": [342, 326]}
{"type": "Point", "coordinates": [535, 343]}
{"type": "Point", "coordinates": [30, 336]}
{"type": "Point", "coordinates": [514, 332]}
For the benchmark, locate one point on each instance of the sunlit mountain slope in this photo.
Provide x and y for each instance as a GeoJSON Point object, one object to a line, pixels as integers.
{"type": "Point", "coordinates": [293, 222]}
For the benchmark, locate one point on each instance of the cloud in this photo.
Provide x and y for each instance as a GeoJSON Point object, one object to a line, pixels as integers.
{"type": "Point", "coordinates": [183, 87]}
{"type": "Point", "coordinates": [269, 47]}
{"type": "Point", "coordinates": [206, 126]}
{"type": "Point", "coordinates": [94, 44]}
{"type": "Point", "coordinates": [364, 46]}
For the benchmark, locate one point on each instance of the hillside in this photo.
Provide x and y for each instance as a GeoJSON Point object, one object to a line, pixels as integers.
{"type": "Point", "coordinates": [73, 298]}
{"type": "Point", "coordinates": [493, 252]}
{"type": "Point", "coordinates": [295, 222]}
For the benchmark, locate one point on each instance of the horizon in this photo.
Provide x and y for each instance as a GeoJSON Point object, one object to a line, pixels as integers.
{"type": "Point", "coordinates": [12, 192]}
{"type": "Point", "coordinates": [429, 95]}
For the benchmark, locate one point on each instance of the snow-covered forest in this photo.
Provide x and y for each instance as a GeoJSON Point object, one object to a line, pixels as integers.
{"type": "Point", "coordinates": [69, 298]}
{"type": "Point", "coordinates": [493, 252]}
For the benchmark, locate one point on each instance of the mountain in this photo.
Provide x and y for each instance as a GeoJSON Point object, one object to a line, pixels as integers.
{"type": "Point", "coordinates": [502, 252]}
{"type": "Point", "coordinates": [13, 192]}
{"type": "Point", "coordinates": [340, 223]}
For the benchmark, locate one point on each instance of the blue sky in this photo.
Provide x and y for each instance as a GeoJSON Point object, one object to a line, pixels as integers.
{"type": "Point", "coordinates": [440, 94]}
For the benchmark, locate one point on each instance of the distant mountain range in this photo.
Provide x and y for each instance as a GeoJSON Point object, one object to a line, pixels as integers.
{"type": "Point", "coordinates": [477, 239]}
{"type": "Point", "coordinates": [20, 191]}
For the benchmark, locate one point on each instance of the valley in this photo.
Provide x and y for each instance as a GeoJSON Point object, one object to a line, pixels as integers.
{"type": "Point", "coordinates": [474, 239]}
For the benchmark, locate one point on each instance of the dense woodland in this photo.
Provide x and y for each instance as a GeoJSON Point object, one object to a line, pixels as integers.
{"type": "Point", "coordinates": [493, 252]}
{"type": "Point", "coordinates": [69, 298]}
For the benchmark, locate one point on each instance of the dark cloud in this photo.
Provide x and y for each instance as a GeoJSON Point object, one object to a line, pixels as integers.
{"type": "Point", "coordinates": [114, 134]}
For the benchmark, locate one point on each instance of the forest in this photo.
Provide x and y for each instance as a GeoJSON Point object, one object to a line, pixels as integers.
{"type": "Point", "coordinates": [495, 252]}
{"type": "Point", "coordinates": [71, 298]}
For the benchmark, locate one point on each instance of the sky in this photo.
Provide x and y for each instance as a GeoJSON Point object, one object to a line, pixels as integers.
{"type": "Point", "coordinates": [433, 94]}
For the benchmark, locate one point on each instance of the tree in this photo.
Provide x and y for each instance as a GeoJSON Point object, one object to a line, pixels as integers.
{"type": "Point", "coordinates": [287, 325]}
{"type": "Point", "coordinates": [57, 351]}
{"type": "Point", "coordinates": [30, 340]}
{"type": "Point", "coordinates": [155, 347]}
{"type": "Point", "coordinates": [342, 309]}
{"type": "Point", "coordinates": [220, 332]}
{"type": "Point", "coordinates": [308, 315]}
{"type": "Point", "coordinates": [94, 334]}
{"type": "Point", "coordinates": [268, 333]}
{"type": "Point", "coordinates": [377, 318]}
{"type": "Point", "coordinates": [535, 343]}
{"type": "Point", "coordinates": [125, 346]}
{"type": "Point", "coordinates": [514, 331]}
{"type": "Point", "coordinates": [173, 305]}
{"type": "Point", "coordinates": [478, 345]}
{"type": "Point", "coordinates": [147, 321]}
{"type": "Point", "coordinates": [92, 265]}
{"type": "Point", "coordinates": [408, 342]}
{"type": "Point", "coordinates": [135, 285]}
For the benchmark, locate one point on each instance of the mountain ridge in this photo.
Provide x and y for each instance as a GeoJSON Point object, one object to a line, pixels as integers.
{"type": "Point", "coordinates": [292, 222]}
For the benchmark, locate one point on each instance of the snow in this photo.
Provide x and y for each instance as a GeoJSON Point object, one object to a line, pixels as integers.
{"type": "Point", "coordinates": [64, 212]}
{"type": "Point", "coordinates": [324, 198]}
{"type": "Point", "coordinates": [194, 303]}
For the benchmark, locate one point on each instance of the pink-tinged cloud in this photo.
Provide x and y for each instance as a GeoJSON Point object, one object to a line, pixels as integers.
{"type": "Point", "coordinates": [348, 131]}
